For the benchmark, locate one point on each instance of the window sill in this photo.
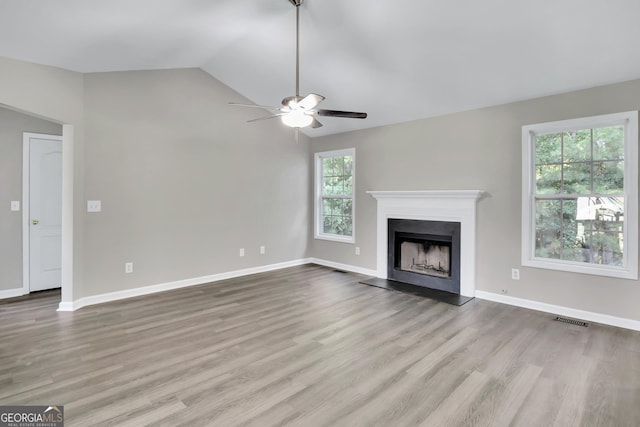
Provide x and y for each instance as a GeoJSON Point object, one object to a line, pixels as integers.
{"type": "Point", "coordinates": [335, 238]}
{"type": "Point", "coordinates": [630, 273]}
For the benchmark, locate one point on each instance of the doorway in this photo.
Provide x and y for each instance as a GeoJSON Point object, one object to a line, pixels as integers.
{"type": "Point", "coordinates": [42, 212]}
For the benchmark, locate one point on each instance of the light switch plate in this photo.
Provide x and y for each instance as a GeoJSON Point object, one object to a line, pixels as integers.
{"type": "Point", "coordinates": [15, 205]}
{"type": "Point", "coordinates": [94, 206]}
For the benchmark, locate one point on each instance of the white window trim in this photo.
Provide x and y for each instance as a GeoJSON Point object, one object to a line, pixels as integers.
{"type": "Point", "coordinates": [629, 269]}
{"type": "Point", "coordinates": [318, 234]}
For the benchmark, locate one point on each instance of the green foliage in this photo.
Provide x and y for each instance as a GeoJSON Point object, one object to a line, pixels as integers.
{"type": "Point", "coordinates": [337, 216]}
{"type": "Point", "coordinates": [337, 178]}
{"type": "Point", "coordinates": [583, 230]}
{"type": "Point", "coordinates": [581, 162]}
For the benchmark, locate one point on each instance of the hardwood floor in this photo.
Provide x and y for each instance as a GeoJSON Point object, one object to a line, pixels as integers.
{"type": "Point", "coordinates": [309, 346]}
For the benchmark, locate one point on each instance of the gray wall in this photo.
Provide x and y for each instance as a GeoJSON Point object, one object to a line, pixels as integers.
{"type": "Point", "coordinates": [56, 95]}
{"type": "Point", "coordinates": [185, 182]}
{"type": "Point", "coordinates": [164, 211]}
{"type": "Point", "coordinates": [480, 149]}
{"type": "Point", "coordinates": [12, 125]}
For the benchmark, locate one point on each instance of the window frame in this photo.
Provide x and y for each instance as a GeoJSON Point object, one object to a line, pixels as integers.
{"type": "Point", "coordinates": [318, 195]}
{"type": "Point", "coordinates": [629, 268]}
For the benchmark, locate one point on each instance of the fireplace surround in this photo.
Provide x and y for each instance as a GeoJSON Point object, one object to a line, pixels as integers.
{"type": "Point", "coordinates": [431, 205]}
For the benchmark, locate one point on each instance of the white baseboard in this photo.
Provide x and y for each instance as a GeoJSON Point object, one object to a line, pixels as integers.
{"type": "Point", "coordinates": [345, 267]}
{"type": "Point", "coordinates": [489, 296]}
{"type": "Point", "coordinates": [562, 311]}
{"type": "Point", "coordinates": [66, 306]}
{"type": "Point", "coordinates": [11, 293]}
{"type": "Point", "coordinates": [152, 289]}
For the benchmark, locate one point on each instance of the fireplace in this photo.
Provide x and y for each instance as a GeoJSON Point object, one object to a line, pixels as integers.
{"type": "Point", "coordinates": [430, 205]}
{"type": "Point", "coordinates": [424, 253]}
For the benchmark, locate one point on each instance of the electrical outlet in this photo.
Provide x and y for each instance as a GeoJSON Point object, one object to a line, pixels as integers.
{"type": "Point", "coordinates": [15, 205]}
{"type": "Point", "coordinates": [128, 267]}
{"type": "Point", "coordinates": [262, 250]}
{"type": "Point", "coordinates": [515, 274]}
{"type": "Point", "coordinates": [241, 251]}
{"type": "Point", "coordinates": [94, 206]}
{"type": "Point", "coordinates": [357, 250]}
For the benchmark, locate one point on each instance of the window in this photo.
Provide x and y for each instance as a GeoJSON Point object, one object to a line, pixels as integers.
{"type": "Point", "coordinates": [579, 202]}
{"type": "Point", "coordinates": [334, 203]}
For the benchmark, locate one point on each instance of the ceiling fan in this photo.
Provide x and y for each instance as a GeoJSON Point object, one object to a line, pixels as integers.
{"type": "Point", "coordinates": [297, 111]}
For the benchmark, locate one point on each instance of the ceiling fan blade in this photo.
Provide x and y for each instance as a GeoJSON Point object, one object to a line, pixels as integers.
{"type": "Point", "coordinates": [310, 101]}
{"type": "Point", "coordinates": [237, 104]}
{"type": "Point", "coordinates": [266, 118]}
{"type": "Point", "coordinates": [347, 114]}
{"type": "Point", "coordinates": [315, 123]}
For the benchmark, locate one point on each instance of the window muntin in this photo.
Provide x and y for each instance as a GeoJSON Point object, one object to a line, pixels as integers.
{"type": "Point", "coordinates": [579, 183]}
{"type": "Point", "coordinates": [334, 195]}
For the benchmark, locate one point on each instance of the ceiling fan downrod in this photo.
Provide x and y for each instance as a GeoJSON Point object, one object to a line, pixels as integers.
{"type": "Point", "coordinates": [297, 4]}
{"type": "Point", "coordinates": [297, 111]}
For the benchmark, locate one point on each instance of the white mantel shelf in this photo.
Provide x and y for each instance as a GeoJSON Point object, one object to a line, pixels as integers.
{"type": "Point", "coordinates": [432, 205]}
{"type": "Point", "coordinates": [428, 194]}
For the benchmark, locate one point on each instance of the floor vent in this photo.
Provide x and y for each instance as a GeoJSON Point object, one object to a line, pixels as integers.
{"type": "Point", "coordinates": [340, 271]}
{"type": "Point", "coordinates": [571, 321]}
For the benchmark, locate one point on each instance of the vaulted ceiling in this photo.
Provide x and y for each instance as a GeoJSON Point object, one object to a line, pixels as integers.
{"type": "Point", "coordinates": [396, 60]}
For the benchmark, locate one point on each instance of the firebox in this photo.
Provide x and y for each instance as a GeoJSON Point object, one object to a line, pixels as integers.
{"type": "Point", "coordinates": [425, 253]}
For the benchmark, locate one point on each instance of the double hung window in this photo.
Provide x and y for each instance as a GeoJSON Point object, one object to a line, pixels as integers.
{"type": "Point", "coordinates": [334, 201]}
{"type": "Point", "coordinates": [580, 197]}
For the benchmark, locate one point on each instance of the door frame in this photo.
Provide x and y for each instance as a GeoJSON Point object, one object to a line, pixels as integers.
{"type": "Point", "coordinates": [26, 195]}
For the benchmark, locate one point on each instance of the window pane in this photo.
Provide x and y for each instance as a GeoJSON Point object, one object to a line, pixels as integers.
{"type": "Point", "coordinates": [337, 178]}
{"type": "Point", "coordinates": [348, 185]}
{"type": "Point", "coordinates": [327, 166]}
{"type": "Point", "coordinates": [336, 187]}
{"type": "Point", "coordinates": [605, 248]}
{"type": "Point", "coordinates": [608, 177]}
{"type": "Point", "coordinates": [577, 178]}
{"type": "Point", "coordinates": [326, 225]}
{"type": "Point", "coordinates": [548, 179]}
{"type": "Point", "coordinates": [348, 164]}
{"type": "Point", "coordinates": [338, 224]}
{"type": "Point", "coordinates": [548, 148]}
{"type": "Point", "coordinates": [548, 243]}
{"type": "Point", "coordinates": [586, 229]}
{"type": "Point", "coordinates": [326, 185]}
{"type": "Point", "coordinates": [326, 207]}
{"type": "Point", "coordinates": [548, 227]}
{"type": "Point", "coordinates": [572, 232]}
{"type": "Point", "coordinates": [608, 143]}
{"type": "Point", "coordinates": [343, 207]}
{"type": "Point", "coordinates": [548, 214]}
{"type": "Point", "coordinates": [577, 146]}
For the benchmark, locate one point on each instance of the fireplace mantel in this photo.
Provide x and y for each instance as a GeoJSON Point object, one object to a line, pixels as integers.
{"type": "Point", "coordinates": [432, 205]}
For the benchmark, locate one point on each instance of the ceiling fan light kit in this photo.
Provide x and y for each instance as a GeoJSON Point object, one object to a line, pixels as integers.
{"type": "Point", "coordinates": [297, 119]}
{"type": "Point", "coordinates": [297, 111]}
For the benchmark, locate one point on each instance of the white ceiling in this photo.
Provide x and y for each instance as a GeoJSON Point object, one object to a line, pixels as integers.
{"type": "Point", "coordinates": [396, 60]}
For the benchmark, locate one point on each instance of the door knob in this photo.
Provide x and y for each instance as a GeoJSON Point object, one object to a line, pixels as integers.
{"type": "Point", "coordinates": [35, 222]}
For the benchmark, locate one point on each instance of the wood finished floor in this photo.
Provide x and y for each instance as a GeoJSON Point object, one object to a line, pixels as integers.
{"type": "Point", "coordinates": [308, 346]}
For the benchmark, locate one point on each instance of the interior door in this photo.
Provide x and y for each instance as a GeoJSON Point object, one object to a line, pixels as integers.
{"type": "Point", "coordinates": [45, 212]}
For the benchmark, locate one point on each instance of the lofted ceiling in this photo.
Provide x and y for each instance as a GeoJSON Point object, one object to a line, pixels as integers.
{"type": "Point", "coordinates": [398, 61]}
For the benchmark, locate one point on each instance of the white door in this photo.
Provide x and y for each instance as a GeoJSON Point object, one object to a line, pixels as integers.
{"type": "Point", "coordinates": [45, 212]}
